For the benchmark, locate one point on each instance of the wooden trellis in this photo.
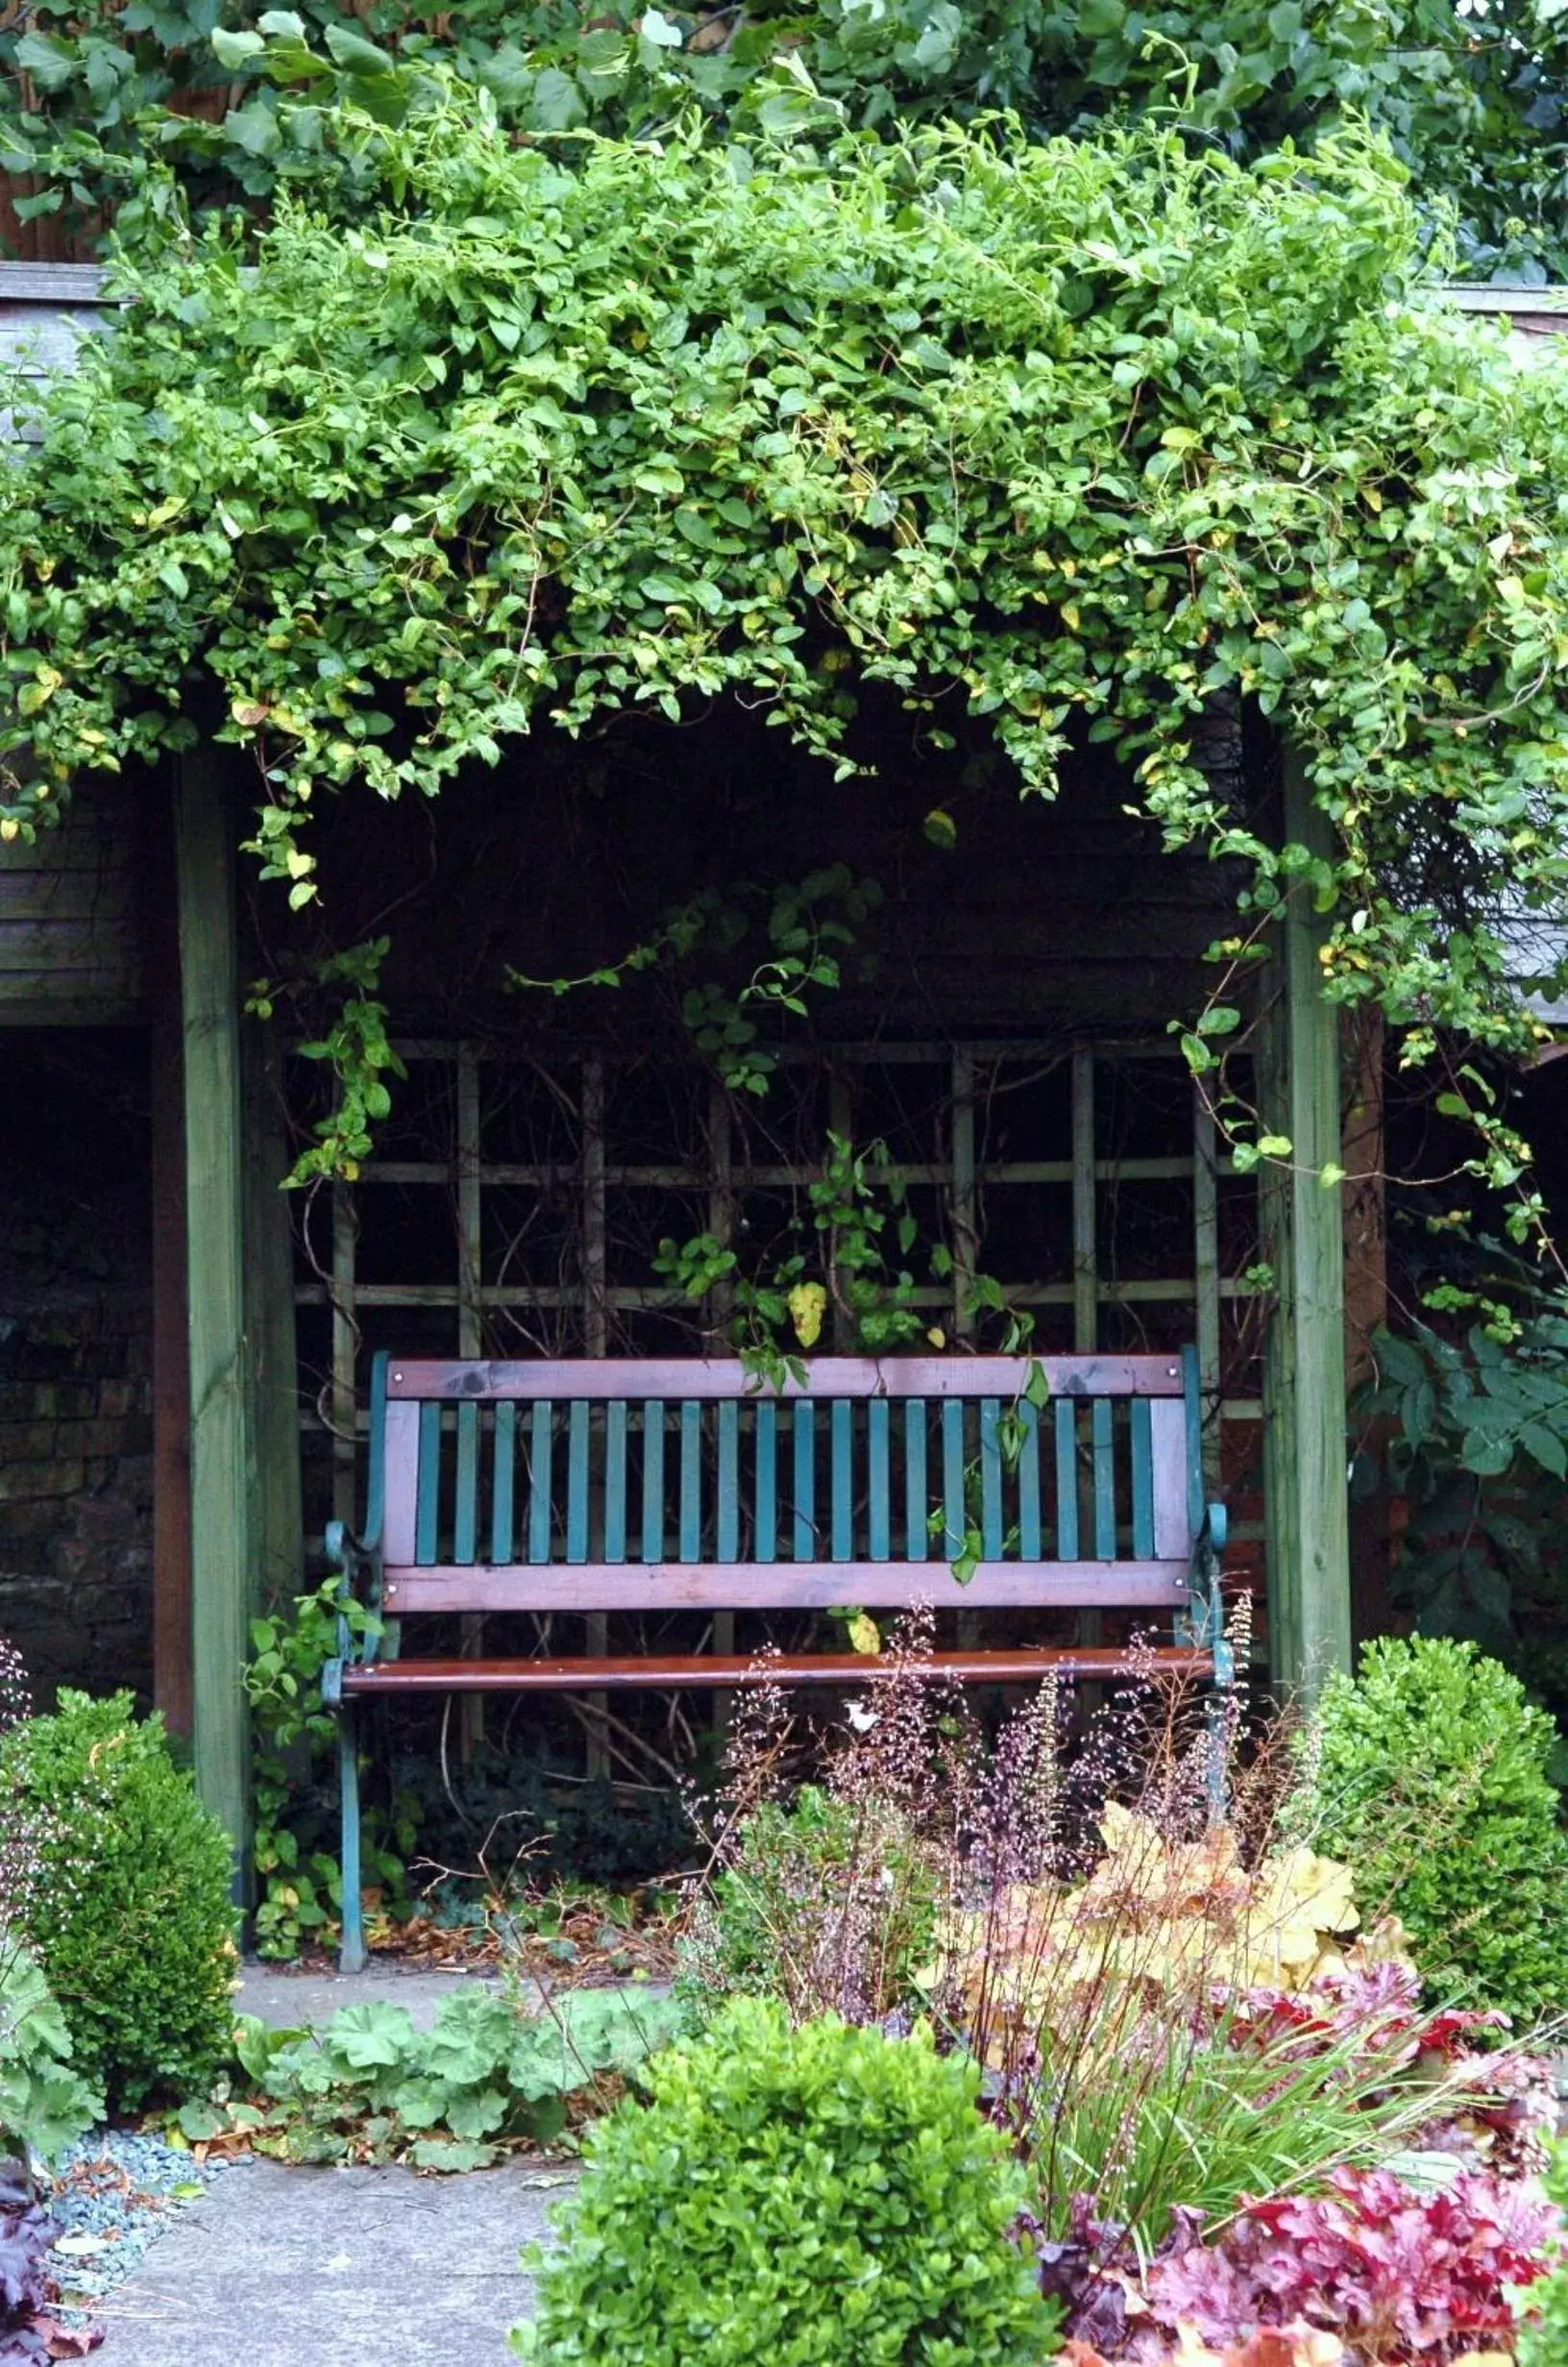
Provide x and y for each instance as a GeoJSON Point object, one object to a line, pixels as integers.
{"type": "Point", "coordinates": [595, 1307]}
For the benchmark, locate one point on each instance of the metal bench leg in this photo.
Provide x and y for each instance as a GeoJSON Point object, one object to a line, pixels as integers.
{"type": "Point", "coordinates": [1219, 1709]}
{"type": "Point", "coordinates": [1203, 1624]}
{"type": "Point", "coordinates": [353, 1957]}
{"type": "Point", "coordinates": [1217, 1713]}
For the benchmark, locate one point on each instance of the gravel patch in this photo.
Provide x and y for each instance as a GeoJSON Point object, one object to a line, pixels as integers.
{"type": "Point", "coordinates": [115, 2193]}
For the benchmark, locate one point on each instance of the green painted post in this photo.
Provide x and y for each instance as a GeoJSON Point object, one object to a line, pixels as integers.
{"type": "Point", "coordinates": [273, 1365]}
{"type": "Point", "coordinates": [1304, 1371]}
{"type": "Point", "coordinates": [222, 1479]}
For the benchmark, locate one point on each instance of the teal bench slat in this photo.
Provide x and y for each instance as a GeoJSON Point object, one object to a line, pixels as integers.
{"type": "Point", "coordinates": [843, 1500]}
{"type": "Point", "coordinates": [427, 1498]}
{"type": "Point", "coordinates": [540, 1451]}
{"type": "Point", "coordinates": [501, 1515]}
{"type": "Point", "coordinates": [577, 1481]}
{"type": "Point", "coordinates": [1067, 1479]}
{"type": "Point", "coordinates": [917, 1483]}
{"type": "Point", "coordinates": [991, 1479]}
{"type": "Point", "coordinates": [615, 1480]}
{"type": "Point", "coordinates": [691, 1481]}
{"type": "Point", "coordinates": [803, 1423]}
{"type": "Point", "coordinates": [1029, 1542]}
{"type": "Point", "coordinates": [653, 1480]}
{"type": "Point", "coordinates": [465, 1512]}
{"type": "Point", "coordinates": [727, 1533]}
{"type": "Point", "coordinates": [1105, 1482]}
{"type": "Point", "coordinates": [1143, 1445]}
{"type": "Point", "coordinates": [879, 1459]}
{"type": "Point", "coordinates": [953, 1523]}
{"type": "Point", "coordinates": [765, 1542]}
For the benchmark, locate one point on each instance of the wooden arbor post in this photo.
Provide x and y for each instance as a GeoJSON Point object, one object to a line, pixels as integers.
{"type": "Point", "coordinates": [1306, 1493]}
{"type": "Point", "coordinates": [222, 1479]}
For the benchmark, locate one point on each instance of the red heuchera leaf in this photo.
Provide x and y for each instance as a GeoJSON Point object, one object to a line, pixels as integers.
{"type": "Point", "coordinates": [25, 2237]}
{"type": "Point", "coordinates": [1395, 2273]}
{"type": "Point", "coordinates": [1378, 2005]}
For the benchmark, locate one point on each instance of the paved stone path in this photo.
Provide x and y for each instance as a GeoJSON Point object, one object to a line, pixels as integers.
{"type": "Point", "coordinates": [279, 2267]}
{"type": "Point", "coordinates": [282, 2267]}
{"type": "Point", "coordinates": [289, 1999]}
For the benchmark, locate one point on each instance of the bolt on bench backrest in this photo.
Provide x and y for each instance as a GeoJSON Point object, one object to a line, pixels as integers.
{"type": "Point", "coordinates": [645, 1484]}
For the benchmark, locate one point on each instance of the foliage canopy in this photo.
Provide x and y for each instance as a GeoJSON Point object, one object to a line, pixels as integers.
{"type": "Point", "coordinates": [1081, 437]}
{"type": "Point", "coordinates": [1472, 99]}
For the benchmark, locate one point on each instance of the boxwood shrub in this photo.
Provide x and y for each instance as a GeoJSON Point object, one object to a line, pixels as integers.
{"type": "Point", "coordinates": [818, 2197]}
{"type": "Point", "coordinates": [1427, 1774]}
{"type": "Point", "coordinates": [134, 1925]}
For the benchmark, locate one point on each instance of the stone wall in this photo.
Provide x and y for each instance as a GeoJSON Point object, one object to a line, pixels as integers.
{"type": "Point", "coordinates": [76, 1494]}
{"type": "Point", "coordinates": [76, 1470]}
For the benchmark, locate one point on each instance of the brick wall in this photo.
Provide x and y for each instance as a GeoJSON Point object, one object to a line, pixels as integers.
{"type": "Point", "coordinates": [76, 1471]}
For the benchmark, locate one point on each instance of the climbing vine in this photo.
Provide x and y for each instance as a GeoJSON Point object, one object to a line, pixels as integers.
{"type": "Point", "coordinates": [1082, 437]}
{"type": "Point", "coordinates": [231, 92]}
{"type": "Point", "coordinates": [809, 928]}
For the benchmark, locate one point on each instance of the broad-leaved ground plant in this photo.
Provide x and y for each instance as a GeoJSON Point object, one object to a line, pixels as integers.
{"type": "Point", "coordinates": [488, 2075]}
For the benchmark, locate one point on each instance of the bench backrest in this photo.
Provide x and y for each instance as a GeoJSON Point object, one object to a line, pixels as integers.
{"type": "Point", "coordinates": [645, 1484]}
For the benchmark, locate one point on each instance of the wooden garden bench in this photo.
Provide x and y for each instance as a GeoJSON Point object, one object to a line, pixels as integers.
{"type": "Point", "coordinates": [661, 1486]}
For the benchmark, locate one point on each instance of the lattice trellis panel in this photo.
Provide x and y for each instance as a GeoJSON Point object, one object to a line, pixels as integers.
{"type": "Point", "coordinates": [518, 1203]}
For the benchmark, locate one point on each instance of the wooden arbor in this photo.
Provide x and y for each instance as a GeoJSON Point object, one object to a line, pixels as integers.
{"type": "Point", "coordinates": [235, 1314]}
{"type": "Point", "coordinates": [244, 1468]}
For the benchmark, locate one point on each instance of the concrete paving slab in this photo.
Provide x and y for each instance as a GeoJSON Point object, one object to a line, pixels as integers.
{"type": "Point", "coordinates": [288, 2000]}
{"type": "Point", "coordinates": [281, 2267]}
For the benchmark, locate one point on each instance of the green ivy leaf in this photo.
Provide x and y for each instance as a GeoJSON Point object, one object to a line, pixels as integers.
{"type": "Point", "coordinates": [51, 61]}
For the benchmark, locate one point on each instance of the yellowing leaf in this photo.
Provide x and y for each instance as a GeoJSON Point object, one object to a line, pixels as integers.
{"type": "Point", "coordinates": [1173, 1917]}
{"type": "Point", "coordinates": [864, 1635]}
{"type": "Point", "coordinates": [808, 1304]}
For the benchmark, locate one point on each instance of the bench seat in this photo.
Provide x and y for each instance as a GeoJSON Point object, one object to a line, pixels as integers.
{"type": "Point", "coordinates": [727, 1672]}
{"type": "Point", "coordinates": [596, 1488]}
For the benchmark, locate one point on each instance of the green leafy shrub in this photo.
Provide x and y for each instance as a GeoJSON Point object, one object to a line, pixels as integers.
{"type": "Point", "coordinates": [44, 2102]}
{"type": "Point", "coordinates": [1427, 1773]}
{"type": "Point", "coordinates": [133, 1926]}
{"type": "Point", "coordinates": [830, 1902]}
{"type": "Point", "coordinates": [823, 2194]}
{"type": "Point", "coordinates": [371, 2088]}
